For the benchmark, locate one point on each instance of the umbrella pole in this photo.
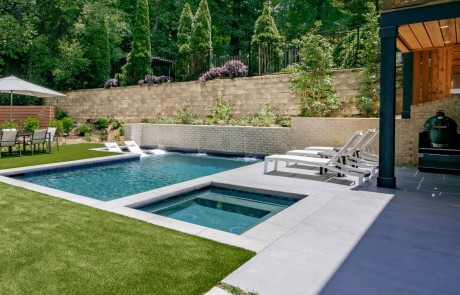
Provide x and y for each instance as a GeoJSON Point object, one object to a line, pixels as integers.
{"type": "Point", "coordinates": [11, 111]}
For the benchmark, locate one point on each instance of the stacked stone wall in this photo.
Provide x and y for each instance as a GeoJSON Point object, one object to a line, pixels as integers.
{"type": "Point", "coordinates": [248, 95]}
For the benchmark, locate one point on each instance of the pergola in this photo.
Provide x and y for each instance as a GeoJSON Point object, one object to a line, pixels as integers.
{"type": "Point", "coordinates": [427, 32]}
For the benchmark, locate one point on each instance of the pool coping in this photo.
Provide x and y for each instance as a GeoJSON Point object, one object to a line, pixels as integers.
{"type": "Point", "coordinates": [249, 240]}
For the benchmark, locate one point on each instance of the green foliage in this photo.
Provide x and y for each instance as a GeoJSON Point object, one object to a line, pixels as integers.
{"type": "Point", "coordinates": [6, 125]}
{"type": "Point", "coordinates": [83, 130]}
{"type": "Point", "coordinates": [200, 40]}
{"type": "Point", "coordinates": [184, 33]}
{"type": "Point", "coordinates": [101, 123]}
{"type": "Point", "coordinates": [103, 135]}
{"type": "Point", "coordinates": [87, 137]}
{"type": "Point", "coordinates": [185, 116]}
{"type": "Point", "coordinates": [95, 38]}
{"type": "Point", "coordinates": [30, 124]}
{"type": "Point", "coordinates": [344, 53]}
{"type": "Point", "coordinates": [67, 123]}
{"type": "Point", "coordinates": [266, 43]}
{"type": "Point", "coordinates": [221, 111]}
{"type": "Point", "coordinates": [145, 120]}
{"type": "Point", "coordinates": [285, 123]}
{"type": "Point", "coordinates": [368, 99]}
{"type": "Point", "coordinates": [266, 116]}
{"type": "Point", "coordinates": [138, 63]}
{"type": "Point", "coordinates": [311, 78]}
{"type": "Point", "coordinates": [71, 65]}
{"type": "Point", "coordinates": [116, 124]}
{"type": "Point", "coordinates": [58, 124]}
{"type": "Point", "coordinates": [61, 114]}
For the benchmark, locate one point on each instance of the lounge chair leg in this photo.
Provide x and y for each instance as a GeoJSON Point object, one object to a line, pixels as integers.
{"type": "Point", "coordinates": [276, 165]}
{"type": "Point", "coordinates": [265, 167]}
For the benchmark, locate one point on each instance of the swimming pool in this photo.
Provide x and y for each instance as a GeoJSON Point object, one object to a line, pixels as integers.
{"type": "Point", "coordinates": [112, 181]}
{"type": "Point", "coordinates": [227, 210]}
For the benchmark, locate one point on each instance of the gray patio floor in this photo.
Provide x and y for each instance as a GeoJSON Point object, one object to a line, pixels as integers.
{"type": "Point", "coordinates": [362, 240]}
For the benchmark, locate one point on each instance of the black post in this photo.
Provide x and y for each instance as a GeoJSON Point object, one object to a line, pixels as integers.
{"type": "Point", "coordinates": [387, 108]}
{"type": "Point", "coordinates": [408, 79]}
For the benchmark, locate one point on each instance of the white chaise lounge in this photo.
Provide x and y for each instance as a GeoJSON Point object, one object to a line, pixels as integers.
{"type": "Point", "coordinates": [333, 164]}
{"type": "Point", "coordinates": [351, 155]}
{"type": "Point", "coordinates": [132, 147]}
{"type": "Point", "coordinates": [113, 147]}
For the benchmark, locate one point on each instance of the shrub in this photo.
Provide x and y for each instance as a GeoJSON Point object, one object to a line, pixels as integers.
{"type": "Point", "coordinates": [231, 69]}
{"type": "Point", "coordinates": [103, 135]}
{"type": "Point", "coordinates": [151, 79]}
{"type": "Point", "coordinates": [67, 123]}
{"type": "Point", "coordinates": [31, 124]}
{"type": "Point", "coordinates": [185, 116]}
{"type": "Point", "coordinates": [83, 130]}
{"type": "Point", "coordinates": [285, 123]}
{"type": "Point", "coordinates": [109, 83]}
{"type": "Point", "coordinates": [368, 99]}
{"type": "Point", "coordinates": [221, 111]}
{"type": "Point", "coordinates": [311, 78]}
{"type": "Point", "coordinates": [87, 137]}
{"type": "Point", "coordinates": [7, 125]}
{"type": "Point", "coordinates": [121, 130]}
{"type": "Point", "coordinates": [145, 120]}
{"type": "Point", "coordinates": [101, 123]}
{"type": "Point", "coordinates": [116, 124]}
{"type": "Point", "coordinates": [255, 121]}
{"type": "Point", "coordinates": [266, 116]}
{"type": "Point", "coordinates": [58, 124]}
{"type": "Point", "coordinates": [61, 114]}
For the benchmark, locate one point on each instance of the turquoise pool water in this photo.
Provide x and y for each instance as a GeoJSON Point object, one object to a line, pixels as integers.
{"type": "Point", "coordinates": [112, 181]}
{"type": "Point", "coordinates": [227, 210]}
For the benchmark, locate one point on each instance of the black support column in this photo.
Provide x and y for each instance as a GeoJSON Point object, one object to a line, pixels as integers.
{"type": "Point", "coordinates": [408, 85]}
{"type": "Point", "coordinates": [387, 107]}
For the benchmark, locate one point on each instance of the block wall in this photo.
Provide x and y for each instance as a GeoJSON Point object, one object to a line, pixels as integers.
{"type": "Point", "coordinates": [248, 95]}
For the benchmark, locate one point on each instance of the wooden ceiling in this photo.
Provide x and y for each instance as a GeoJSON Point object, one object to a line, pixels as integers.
{"type": "Point", "coordinates": [428, 35]}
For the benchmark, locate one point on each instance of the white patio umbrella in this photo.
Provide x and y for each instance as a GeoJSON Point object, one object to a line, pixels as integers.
{"type": "Point", "coordinates": [14, 85]}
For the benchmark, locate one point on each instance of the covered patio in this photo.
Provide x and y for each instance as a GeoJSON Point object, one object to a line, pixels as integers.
{"type": "Point", "coordinates": [427, 32]}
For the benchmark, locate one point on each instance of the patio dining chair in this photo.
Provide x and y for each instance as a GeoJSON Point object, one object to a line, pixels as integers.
{"type": "Point", "coordinates": [52, 137]}
{"type": "Point", "coordinates": [38, 138]}
{"type": "Point", "coordinates": [9, 138]}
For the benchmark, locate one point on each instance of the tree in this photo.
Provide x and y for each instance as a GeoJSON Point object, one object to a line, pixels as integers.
{"type": "Point", "coordinates": [368, 99]}
{"type": "Point", "coordinates": [139, 61]}
{"type": "Point", "coordinates": [183, 44]}
{"type": "Point", "coordinates": [95, 41]}
{"type": "Point", "coordinates": [200, 41]}
{"type": "Point", "coordinates": [311, 77]}
{"type": "Point", "coordinates": [266, 42]}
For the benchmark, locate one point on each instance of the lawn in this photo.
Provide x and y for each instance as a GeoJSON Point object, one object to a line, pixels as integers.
{"type": "Point", "coordinates": [52, 246]}
{"type": "Point", "coordinates": [69, 152]}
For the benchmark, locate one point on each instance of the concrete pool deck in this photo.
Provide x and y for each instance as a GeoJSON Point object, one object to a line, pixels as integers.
{"type": "Point", "coordinates": [340, 239]}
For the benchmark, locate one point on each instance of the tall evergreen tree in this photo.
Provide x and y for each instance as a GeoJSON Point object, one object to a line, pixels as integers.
{"type": "Point", "coordinates": [183, 44]}
{"type": "Point", "coordinates": [201, 42]}
{"type": "Point", "coordinates": [95, 40]}
{"type": "Point", "coordinates": [266, 43]}
{"type": "Point", "coordinates": [139, 61]}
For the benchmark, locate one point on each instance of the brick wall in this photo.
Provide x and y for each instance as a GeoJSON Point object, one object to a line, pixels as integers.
{"type": "Point", "coordinates": [224, 139]}
{"type": "Point", "coordinates": [133, 103]}
{"type": "Point", "coordinates": [303, 132]}
{"type": "Point", "coordinates": [43, 113]}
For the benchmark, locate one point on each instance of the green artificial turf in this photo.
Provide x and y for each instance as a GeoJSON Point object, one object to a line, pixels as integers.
{"type": "Point", "coordinates": [69, 152]}
{"type": "Point", "coordinates": [52, 246]}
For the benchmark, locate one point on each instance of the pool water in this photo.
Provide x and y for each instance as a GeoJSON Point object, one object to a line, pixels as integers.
{"type": "Point", "coordinates": [227, 210]}
{"type": "Point", "coordinates": [112, 181]}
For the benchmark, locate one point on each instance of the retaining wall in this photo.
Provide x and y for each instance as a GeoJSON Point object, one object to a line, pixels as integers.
{"type": "Point", "coordinates": [248, 95]}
